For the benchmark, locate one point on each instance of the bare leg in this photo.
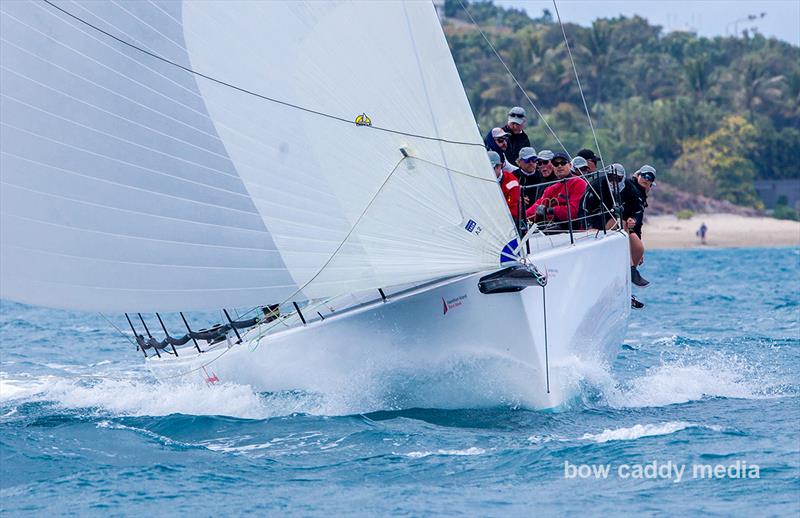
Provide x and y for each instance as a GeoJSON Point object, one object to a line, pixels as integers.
{"type": "Point", "coordinates": [637, 249]}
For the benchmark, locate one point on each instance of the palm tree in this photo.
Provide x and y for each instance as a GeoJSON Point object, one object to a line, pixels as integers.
{"type": "Point", "coordinates": [757, 85]}
{"type": "Point", "coordinates": [698, 74]}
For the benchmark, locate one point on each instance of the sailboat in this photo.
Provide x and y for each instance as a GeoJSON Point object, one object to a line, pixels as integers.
{"type": "Point", "coordinates": [318, 157]}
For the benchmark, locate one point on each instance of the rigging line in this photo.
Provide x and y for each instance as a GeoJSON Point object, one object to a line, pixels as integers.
{"type": "Point", "coordinates": [116, 94]}
{"type": "Point", "coordinates": [349, 233]}
{"type": "Point", "coordinates": [138, 19]}
{"type": "Point", "coordinates": [257, 339]}
{"type": "Point", "coordinates": [245, 90]}
{"type": "Point", "coordinates": [496, 53]}
{"type": "Point", "coordinates": [118, 116]}
{"type": "Point", "coordinates": [125, 336]}
{"type": "Point", "coordinates": [580, 88]}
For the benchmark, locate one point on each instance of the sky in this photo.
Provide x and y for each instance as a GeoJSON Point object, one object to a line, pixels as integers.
{"type": "Point", "coordinates": [706, 17]}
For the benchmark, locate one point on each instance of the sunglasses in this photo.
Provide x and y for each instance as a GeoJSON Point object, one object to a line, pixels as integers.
{"type": "Point", "coordinates": [517, 115]}
{"type": "Point", "coordinates": [560, 163]}
{"type": "Point", "coordinates": [542, 162]}
{"type": "Point", "coordinates": [502, 139]}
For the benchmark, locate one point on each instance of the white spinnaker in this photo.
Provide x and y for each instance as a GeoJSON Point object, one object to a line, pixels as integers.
{"type": "Point", "coordinates": [129, 184]}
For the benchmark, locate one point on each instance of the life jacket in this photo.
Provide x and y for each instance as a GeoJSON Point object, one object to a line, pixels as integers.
{"type": "Point", "coordinates": [510, 187]}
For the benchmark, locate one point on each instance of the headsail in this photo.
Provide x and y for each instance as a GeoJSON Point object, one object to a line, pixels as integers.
{"type": "Point", "coordinates": [129, 183]}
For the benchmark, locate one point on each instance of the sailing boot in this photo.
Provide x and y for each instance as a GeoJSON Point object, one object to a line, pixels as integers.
{"type": "Point", "coordinates": [635, 304]}
{"type": "Point", "coordinates": [637, 278]}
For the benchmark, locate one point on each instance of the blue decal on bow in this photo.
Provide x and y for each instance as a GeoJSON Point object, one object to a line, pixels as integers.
{"type": "Point", "coordinates": [508, 252]}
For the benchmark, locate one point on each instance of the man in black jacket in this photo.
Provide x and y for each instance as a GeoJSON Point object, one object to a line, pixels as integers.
{"type": "Point", "coordinates": [599, 201]}
{"type": "Point", "coordinates": [634, 201]}
{"type": "Point", "coordinates": [517, 138]}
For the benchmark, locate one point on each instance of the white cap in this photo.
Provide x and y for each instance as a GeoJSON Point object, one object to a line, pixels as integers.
{"type": "Point", "coordinates": [494, 158]}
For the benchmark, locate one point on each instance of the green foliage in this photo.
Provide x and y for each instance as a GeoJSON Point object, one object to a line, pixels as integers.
{"type": "Point", "coordinates": [718, 165]}
{"type": "Point", "coordinates": [664, 99]}
{"type": "Point", "coordinates": [685, 214]}
{"type": "Point", "coordinates": [785, 212]}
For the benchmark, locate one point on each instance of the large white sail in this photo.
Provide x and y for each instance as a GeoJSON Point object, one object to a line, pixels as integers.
{"type": "Point", "coordinates": [129, 183]}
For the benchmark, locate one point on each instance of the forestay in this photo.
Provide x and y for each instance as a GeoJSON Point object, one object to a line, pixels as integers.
{"type": "Point", "coordinates": [131, 184]}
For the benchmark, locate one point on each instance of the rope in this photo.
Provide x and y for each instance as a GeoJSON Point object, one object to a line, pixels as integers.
{"type": "Point", "coordinates": [313, 277]}
{"type": "Point", "coordinates": [126, 337]}
{"type": "Point", "coordinates": [580, 88]}
{"type": "Point", "coordinates": [349, 233]}
{"type": "Point", "coordinates": [250, 92]}
{"type": "Point", "coordinates": [510, 73]}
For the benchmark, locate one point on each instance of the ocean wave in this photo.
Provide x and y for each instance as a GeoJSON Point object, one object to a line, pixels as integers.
{"type": "Point", "coordinates": [642, 430]}
{"type": "Point", "coordinates": [136, 397]}
{"type": "Point", "coordinates": [468, 452]}
{"type": "Point", "coordinates": [695, 377]}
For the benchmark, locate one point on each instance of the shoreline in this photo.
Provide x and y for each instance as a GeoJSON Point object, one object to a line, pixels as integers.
{"type": "Point", "coordinates": [724, 231]}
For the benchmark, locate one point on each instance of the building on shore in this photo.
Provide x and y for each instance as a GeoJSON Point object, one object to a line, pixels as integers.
{"type": "Point", "coordinates": [773, 191]}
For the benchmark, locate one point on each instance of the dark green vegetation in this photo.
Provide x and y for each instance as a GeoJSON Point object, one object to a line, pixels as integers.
{"type": "Point", "coordinates": [711, 115]}
{"type": "Point", "coordinates": [783, 211]}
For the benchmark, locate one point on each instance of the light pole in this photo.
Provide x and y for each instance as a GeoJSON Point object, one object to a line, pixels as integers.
{"type": "Point", "coordinates": [748, 18]}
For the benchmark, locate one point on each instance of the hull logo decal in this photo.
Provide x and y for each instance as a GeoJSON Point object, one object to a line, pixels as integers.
{"type": "Point", "coordinates": [455, 302]}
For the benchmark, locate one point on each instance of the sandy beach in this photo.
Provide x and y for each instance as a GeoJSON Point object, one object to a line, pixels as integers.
{"type": "Point", "coordinates": [724, 231]}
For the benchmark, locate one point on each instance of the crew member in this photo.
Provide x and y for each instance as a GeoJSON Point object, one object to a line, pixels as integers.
{"type": "Point", "coordinates": [528, 178]}
{"type": "Point", "coordinates": [497, 141]}
{"type": "Point", "coordinates": [560, 202]}
{"type": "Point", "coordinates": [517, 138]}
{"type": "Point", "coordinates": [634, 201]}
{"type": "Point", "coordinates": [590, 157]}
{"type": "Point", "coordinates": [600, 197]}
{"type": "Point", "coordinates": [579, 166]}
{"type": "Point", "coordinates": [509, 184]}
{"type": "Point", "coordinates": [545, 169]}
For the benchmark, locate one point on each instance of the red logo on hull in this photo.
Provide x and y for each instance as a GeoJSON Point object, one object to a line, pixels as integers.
{"type": "Point", "coordinates": [455, 302]}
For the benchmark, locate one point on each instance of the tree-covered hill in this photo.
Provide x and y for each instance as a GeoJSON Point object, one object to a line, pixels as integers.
{"type": "Point", "coordinates": [712, 115]}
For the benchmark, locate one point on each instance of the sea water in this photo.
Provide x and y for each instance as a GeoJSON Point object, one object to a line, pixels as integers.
{"type": "Point", "coordinates": [700, 412]}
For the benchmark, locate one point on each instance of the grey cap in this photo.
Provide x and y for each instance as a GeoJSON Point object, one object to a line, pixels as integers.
{"type": "Point", "coordinates": [517, 114]}
{"type": "Point", "coordinates": [579, 162]}
{"type": "Point", "coordinates": [617, 169]}
{"type": "Point", "coordinates": [494, 158]}
{"type": "Point", "coordinates": [546, 154]}
{"type": "Point", "coordinates": [527, 153]}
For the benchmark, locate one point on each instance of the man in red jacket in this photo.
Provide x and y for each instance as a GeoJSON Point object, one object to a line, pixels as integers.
{"type": "Point", "coordinates": [560, 202]}
{"type": "Point", "coordinates": [508, 184]}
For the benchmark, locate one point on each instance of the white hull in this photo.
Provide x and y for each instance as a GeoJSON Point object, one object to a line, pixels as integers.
{"type": "Point", "coordinates": [587, 305]}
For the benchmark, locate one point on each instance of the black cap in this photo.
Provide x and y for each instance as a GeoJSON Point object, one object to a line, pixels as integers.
{"type": "Point", "coordinates": [588, 154]}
